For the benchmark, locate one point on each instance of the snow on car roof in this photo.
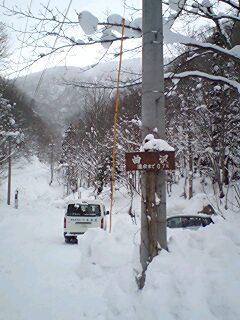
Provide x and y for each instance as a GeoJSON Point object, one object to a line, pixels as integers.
{"type": "Point", "coordinates": [190, 215]}
{"type": "Point", "coordinates": [85, 201]}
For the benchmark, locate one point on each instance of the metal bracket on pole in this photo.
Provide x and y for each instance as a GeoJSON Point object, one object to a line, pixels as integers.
{"type": "Point", "coordinates": [155, 41]}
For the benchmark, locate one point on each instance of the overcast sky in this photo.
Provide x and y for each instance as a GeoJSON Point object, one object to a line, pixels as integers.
{"type": "Point", "coordinates": [81, 57]}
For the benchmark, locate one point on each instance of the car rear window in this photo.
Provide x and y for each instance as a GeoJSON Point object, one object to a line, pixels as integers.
{"type": "Point", "coordinates": [174, 222]}
{"type": "Point", "coordinates": [188, 221]}
{"type": "Point", "coordinates": [88, 210]}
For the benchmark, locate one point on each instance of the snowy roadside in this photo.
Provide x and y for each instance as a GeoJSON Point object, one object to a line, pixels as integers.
{"type": "Point", "coordinates": [43, 278]}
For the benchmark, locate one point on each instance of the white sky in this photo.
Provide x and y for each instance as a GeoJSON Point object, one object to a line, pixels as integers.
{"type": "Point", "coordinates": [82, 57]}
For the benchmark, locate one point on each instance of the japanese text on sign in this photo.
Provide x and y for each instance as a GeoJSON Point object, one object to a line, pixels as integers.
{"type": "Point", "coordinates": [150, 161]}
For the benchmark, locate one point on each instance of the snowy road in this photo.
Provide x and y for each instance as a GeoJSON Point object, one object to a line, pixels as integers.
{"type": "Point", "coordinates": [41, 277]}
{"type": "Point", "coordinates": [38, 271]}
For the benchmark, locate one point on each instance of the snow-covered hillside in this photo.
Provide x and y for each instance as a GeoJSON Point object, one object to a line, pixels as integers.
{"type": "Point", "coordinates": [41, 277]}
{"type": "Point", "coordinates": [56, 100]}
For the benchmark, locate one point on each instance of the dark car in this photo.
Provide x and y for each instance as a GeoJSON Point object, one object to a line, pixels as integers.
{"type": "Point", "coordinates": [189, 221]}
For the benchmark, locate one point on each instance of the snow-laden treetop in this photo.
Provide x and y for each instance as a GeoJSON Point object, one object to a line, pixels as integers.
{"type": "Point", "coordinates": [89, 24]}
{"type": "Point", "coordinates": [215, 11]}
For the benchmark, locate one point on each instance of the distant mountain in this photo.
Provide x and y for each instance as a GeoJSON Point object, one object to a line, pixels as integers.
{"type": "Point", "coordinates": [56, 100]}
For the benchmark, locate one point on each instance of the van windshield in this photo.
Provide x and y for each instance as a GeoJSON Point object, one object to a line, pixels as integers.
{"type": "Point", "coordinates": [87, 210]}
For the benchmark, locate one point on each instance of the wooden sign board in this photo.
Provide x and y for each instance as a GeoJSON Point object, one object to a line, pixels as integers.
{"type": "Point", "coordinates": [164, 160]}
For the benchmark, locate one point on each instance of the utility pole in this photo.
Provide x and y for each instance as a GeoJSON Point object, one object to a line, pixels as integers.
{"type": "Point", "coordinates": [16, 199]}
{"type": "Point", "coordinates": [68, 180]}
{"type": "Point", "coordinates": [153, 215]}
{"type": "Point", "coordinates": [52, 167]}
{"type": "Point", "coordinates": [9, 170]}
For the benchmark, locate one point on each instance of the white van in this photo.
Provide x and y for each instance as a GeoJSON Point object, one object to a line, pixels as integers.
{"type": "Point", "coordinates": [82, 215]}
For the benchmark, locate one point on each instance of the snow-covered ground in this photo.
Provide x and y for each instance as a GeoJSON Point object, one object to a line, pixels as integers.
{"type": "Point", "coordinates": [42, 278]}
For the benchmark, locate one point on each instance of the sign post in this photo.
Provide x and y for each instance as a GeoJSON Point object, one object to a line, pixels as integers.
{"type": "Point", "coordinates": [151, 164]}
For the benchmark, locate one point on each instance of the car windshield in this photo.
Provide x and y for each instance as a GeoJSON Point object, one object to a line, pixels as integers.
{"type": "Point", "coordinates": [83, 210]}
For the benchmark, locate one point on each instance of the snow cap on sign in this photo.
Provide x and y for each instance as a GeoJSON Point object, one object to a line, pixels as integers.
{"type": "Point", "coordinates": [88, 22]}
{"type": "Point", "coordinates": [152, 144]}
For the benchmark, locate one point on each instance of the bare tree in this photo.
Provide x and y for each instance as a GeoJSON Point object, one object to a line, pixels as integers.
{"type": "Point", "coordinates": [52, 32]}
{"type": "Point", "coordinates": [203, 118]}
{"type": "Point", "coordinates": [3, 43]}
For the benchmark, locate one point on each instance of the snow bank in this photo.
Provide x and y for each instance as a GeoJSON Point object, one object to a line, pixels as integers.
{"type": "Point", "coordinates": [199, 277]}
{"type": "Point", "coordinates": [108, 251]}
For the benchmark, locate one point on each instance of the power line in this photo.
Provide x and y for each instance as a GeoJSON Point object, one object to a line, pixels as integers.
{"type": "Point", "coordinates": [23, 40]}
{"type": "Point", "coordinates": [49, 57]}
{"type": "Point", "coordinates": [25, 78]}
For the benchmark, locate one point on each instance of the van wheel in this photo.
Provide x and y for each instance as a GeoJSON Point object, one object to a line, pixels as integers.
{"type": "Point", "coordinates": [67, 239]}
{"type": "Point", "coordinates": [74, 240]}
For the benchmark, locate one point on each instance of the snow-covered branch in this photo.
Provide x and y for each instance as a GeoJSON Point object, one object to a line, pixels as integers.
{"type": "Point", "coordinates": [198, 74]}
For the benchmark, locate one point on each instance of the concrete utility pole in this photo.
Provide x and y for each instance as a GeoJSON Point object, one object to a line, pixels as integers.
{"type": "Point", "coordinates": [153, 216]}
{"type": "Point", "coordinates": [51, 145]}
{"type": "Point", "coordinates": [16, 199]}
{"type": "Point", "coordinates": [9, 170]}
